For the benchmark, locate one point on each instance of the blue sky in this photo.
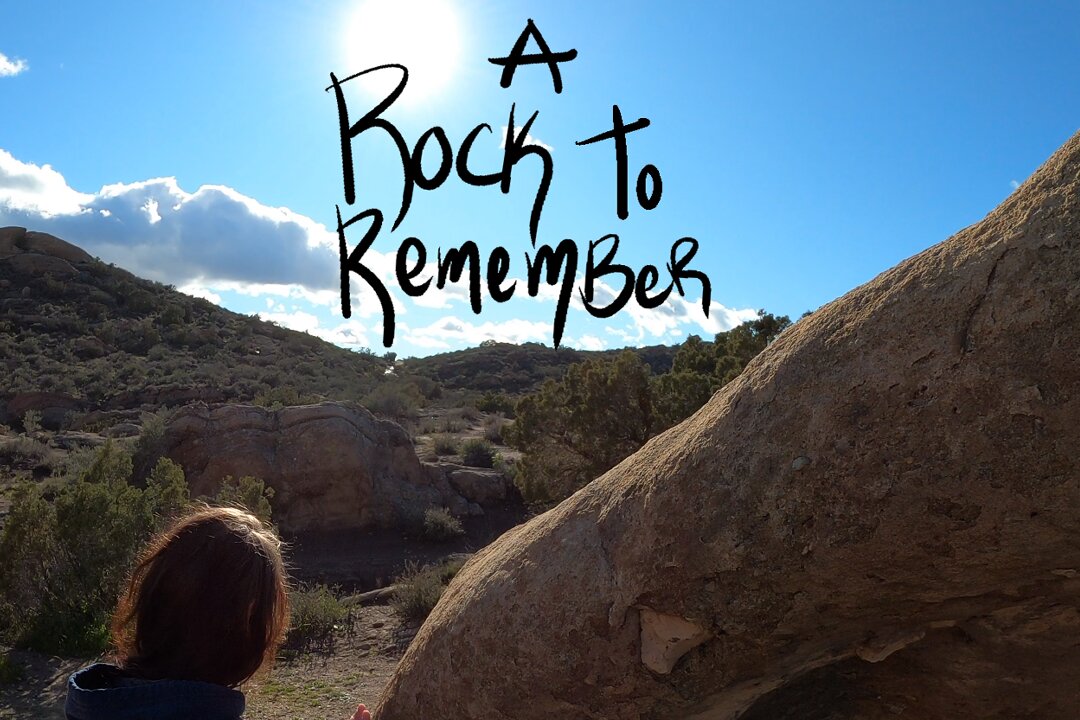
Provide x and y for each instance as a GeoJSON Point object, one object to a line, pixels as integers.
{"type": "Point", "coordinates": [807, 146]}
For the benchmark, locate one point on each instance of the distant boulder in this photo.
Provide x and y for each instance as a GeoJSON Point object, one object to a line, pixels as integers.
{"type": "Point", "coordinates": [17, 241]}
{"type": "Point", "coordinates": [332, 465]}
{"type": "Point", "coordinates": [879, 518]}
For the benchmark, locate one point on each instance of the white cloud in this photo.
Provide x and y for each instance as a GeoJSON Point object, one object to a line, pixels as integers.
{"type": "Point", "coordinates": [33, 190]}
{"type": "Point", "coordinates": [11, 67]}
{"type": "Point", "coordinates": [349, 333]}
{"type": "Point", "coordinates": [214, 236]}
{"type": "Point", "coordinates": [302, 321]}
{"type": "Point", "coordinates": [151, 210]}
{"type": "Point", "coordinates": [589, 342]}
{"type": "Point", "coordinates": [1014, 184]}
{"type": "Point", "coordinates": [448, 331]}
{"type": "Point", "coordinates": [529, 139]}
{"type": "Point", "coordinates": [196, 290]}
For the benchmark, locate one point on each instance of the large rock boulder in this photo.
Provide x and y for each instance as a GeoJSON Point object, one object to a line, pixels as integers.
{"type": "Point", "coordinates": [17, 241]}
{"type": "Point", "coordinates": [879, 518]}
{"type": "Point", "coordinates": [331, 465]}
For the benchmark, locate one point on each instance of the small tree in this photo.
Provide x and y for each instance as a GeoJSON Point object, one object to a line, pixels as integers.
{"type": "Point", "coordinates": [478, 453]}
{"type": "Point", "coordinates": [31, 421]}
{"type": "Point", "coordinates": [167, 491]}
{"type": "Point", "coordinates": [247, 492]}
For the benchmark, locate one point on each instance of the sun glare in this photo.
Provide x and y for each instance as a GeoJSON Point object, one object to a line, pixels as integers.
{"type": "Point", "coordinates": [422, 35]}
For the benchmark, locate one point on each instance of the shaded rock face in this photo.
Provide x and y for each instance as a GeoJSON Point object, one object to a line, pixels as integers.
{"type": "Point", "coordinates": [331, 465]}
{"type": "Point", "coordinates": [55, 408]}
{"type": "Point", "coordinates": [879, 518]}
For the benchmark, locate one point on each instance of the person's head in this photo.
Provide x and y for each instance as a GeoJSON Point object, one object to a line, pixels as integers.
{"type": "Point", "coordinates": [207, 600]}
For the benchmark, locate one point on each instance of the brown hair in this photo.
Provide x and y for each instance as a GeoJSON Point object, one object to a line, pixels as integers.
{"type": "Point", "coordinates": [206, 601]}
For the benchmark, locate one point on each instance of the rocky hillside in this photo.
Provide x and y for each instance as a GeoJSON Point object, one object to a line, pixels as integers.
{"type": "Point", "coordinates": [78, 335]}
{"type": "Point", "coordinates": [517, 369]}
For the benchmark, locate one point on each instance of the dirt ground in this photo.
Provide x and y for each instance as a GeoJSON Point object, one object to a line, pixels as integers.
{"type": "Point", "coordinates": [329, 686]}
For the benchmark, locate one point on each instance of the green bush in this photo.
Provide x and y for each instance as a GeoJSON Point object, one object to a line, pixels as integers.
{"type": "Point", "coordinates": [167, 491]}
{"type": "Point", "coordinates": [63, 563]}
{"type": "Point", "coordinates": [247, 492]}
{"type": "Point", "coordinates": [394, 399]}
{"type": "Point", "coordinates": [151, 441]}
{"type": "Point", "coordinates": [478, 453]}
{"type": "Point", "coordinates": [440, 525]}
{"type": "Point", "coordinates": [418, 589]}
{"type": "Point", "coordinates": [314, 613]}
{"type": "Point", "coordinates": [496, 402]}
{"type": "Point", "coordinates": [31, 421]}
{"type": "Point", "coordinates": [284, 396]}
{"type": "Point", "coordinates": [24, 449]}
{"type": "Point", "coordinates": [445, 444]}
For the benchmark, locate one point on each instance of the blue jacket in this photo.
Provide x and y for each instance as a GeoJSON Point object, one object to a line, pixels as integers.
{"type": "Point", "coordinates": [105, 692]}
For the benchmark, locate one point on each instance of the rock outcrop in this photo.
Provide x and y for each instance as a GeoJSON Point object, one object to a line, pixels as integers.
{"type": "Point", "coordinates": [879, 518]}
{"type": "Point", "coordinates": [55, 408]}
{"type": "Point", "coordinates": [332, 465]}
{"type": "Point", "coordinates": [21, 242]}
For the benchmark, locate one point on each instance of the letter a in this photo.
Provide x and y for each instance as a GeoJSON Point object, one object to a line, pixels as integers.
{"type": "Point", "coordinates": [517, 57]}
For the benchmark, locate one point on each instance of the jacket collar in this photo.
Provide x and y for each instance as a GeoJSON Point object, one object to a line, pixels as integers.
{"type": "Point", "coordinates": [104, 692]}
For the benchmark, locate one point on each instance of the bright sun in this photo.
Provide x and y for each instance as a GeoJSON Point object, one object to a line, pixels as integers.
{"type": "Point", "coordinates": [422, 35]}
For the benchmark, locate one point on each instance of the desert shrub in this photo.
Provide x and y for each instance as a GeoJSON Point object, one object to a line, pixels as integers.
{"type": "Point", "coordinates": [62, 564]}
{"type": "Point", "coordinates": [314, 613]}
{"type": "Point", "coordinates": [247, 492]}
{"type": "Point", "coordinates": [440, 525]}
{"type": "Point", "coordinates": [24, 449]}
{"type": "Point", "coordinates": [469, 413]}
{"type": "Point", "coordinates": [445, 444]}
{"type": "Point", "coordinates": [507, 466]}
{"type": "Point", "coordinates": [450, 425]}
{"type": "Point", "coordinates": [158, 353]}
{"type": "Point", "coordinates": [137, 338]}
{"type": "Point", "coordinates": [31, 421]}
{"type": "Point", "coordinates": [151, 442]}
{"type": "Point", "coordinates": [418, 589]}
{"type": "Point", "coordinates": [167, 491]}
{"type": "Point", "coordinates": [499, 402]}
{"type": "Point", "coordinates": [393, 399]}
{"type": "Point", "coordinates": [493, 429]}
{"type": "Point", "coordinates": [478, 453]}
{"type": "Point", "coordinates": [172, 315]}
{"type": "Point", "coordinates": [283, 396]}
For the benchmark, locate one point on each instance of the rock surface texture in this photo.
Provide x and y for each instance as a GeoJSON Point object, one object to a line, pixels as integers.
{"type": "Point", "coordinates": [331, 465]}
{"type": "Point", "coordinates": [879, 518]}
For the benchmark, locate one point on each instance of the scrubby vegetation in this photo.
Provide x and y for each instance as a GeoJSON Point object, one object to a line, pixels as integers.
{"type": "Point", "coordinates": [440, 525]}
{"type": "Point", "coordinates": [574, 429]}
{"type": "Point", "coordinates": [110, 339]}
{"type": "Point", "coordinates": [445, 444]}
{"type": "Point", "coordinates": [65, 553]}
{"type": "Point", "coordinates": [315, 612]}
{"type": "Point", "coordinates": [504, 369]}
{"type": "Point", "coordinates": [478, 453]}
{"type": "Point", "coordinates": [63, 561]}
{"type": "Point", "coordinates": [419, 588]}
